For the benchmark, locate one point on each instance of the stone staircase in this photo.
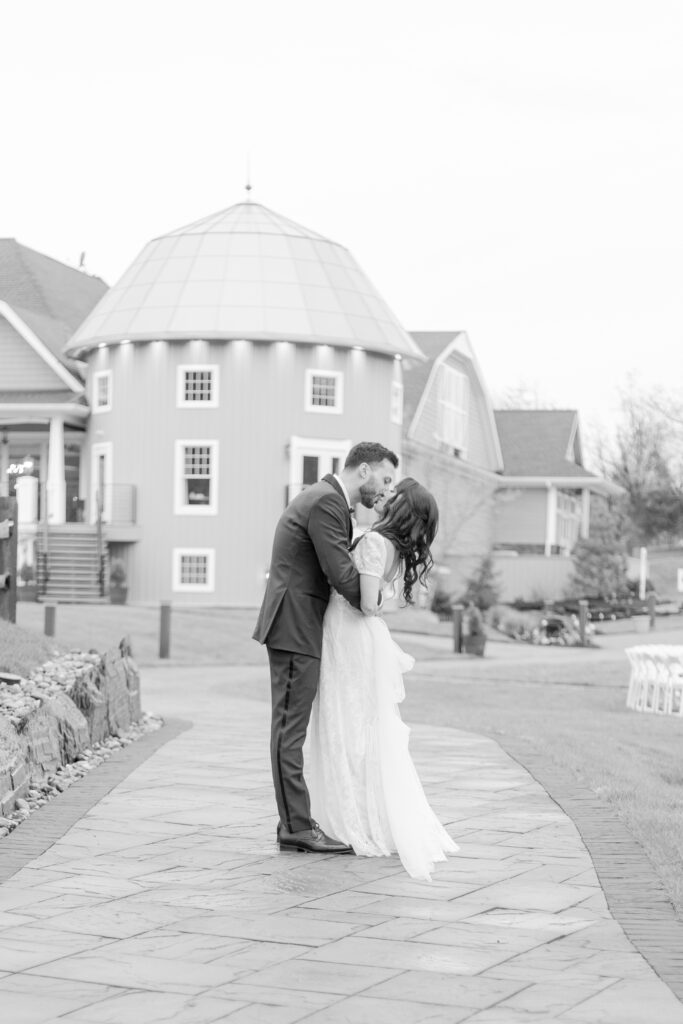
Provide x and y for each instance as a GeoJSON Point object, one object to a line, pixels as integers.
{"type": "Point", "coordinates": [69, 565]}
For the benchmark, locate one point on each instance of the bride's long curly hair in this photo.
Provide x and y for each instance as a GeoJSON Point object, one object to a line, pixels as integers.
{"type": "Point", "coordinates": [410, 520]}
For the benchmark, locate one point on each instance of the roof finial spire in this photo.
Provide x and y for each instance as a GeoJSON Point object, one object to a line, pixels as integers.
{"type": "Point", "coordinates": [247, 187]}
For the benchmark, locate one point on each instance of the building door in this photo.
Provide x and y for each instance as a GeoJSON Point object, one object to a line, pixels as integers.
{"type": "Point", "coordinates": [310, 459]}
{"type": "Point", "coordinates": [101, 481]}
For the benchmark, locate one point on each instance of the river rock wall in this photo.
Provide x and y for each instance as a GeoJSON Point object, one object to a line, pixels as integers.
{"type": "Point", "coordinates": [51, 718]}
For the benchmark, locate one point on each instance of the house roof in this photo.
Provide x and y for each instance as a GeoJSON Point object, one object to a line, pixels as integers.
{"type": "Point", "coordinates": [536, 442]}
{"type": "Point", "coordinates": [245, 273]}
{"type": "Point", "coordinates": [50, 297]}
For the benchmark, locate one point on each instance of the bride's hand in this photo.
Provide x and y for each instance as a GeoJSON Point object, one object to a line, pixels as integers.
{"type": "Point", "coordinates": [369, 610]}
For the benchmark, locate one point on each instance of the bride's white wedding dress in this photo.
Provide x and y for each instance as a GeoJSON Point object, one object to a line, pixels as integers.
{"type": "Point", "coordinates": [363, 784]}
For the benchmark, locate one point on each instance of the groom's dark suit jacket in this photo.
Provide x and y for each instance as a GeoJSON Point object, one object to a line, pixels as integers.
{"type": "Point", "coordinates": [310, 553]}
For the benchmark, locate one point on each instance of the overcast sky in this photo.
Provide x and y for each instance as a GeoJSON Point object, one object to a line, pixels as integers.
{"type": "Point", "coordinates": [513, 168]}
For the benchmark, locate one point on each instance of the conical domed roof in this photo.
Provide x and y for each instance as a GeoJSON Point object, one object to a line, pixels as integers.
{"type": "Point", "coordinates": [245, 272]}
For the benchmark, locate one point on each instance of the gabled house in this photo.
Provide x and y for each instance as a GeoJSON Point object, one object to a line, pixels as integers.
{"type": "Point", "coordinates": [545, 499]}
{"type": "Point", "coordinates": [42, 396]}
{"type": "Point", "coordinates": [450, 444]}
{"type": "Point", "coordinates": [549, 491]}
{"type": "Point", "coordinates": [43, 409]}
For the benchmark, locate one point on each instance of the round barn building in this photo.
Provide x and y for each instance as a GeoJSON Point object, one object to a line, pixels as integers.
{"type": "Point", "coordinates": [234, 363]}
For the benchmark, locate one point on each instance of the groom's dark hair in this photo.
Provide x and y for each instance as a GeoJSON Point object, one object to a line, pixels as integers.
{"type": "Point", "coordinates": [371, 452]}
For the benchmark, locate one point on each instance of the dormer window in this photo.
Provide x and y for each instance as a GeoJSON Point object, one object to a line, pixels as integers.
{"type": "Point", "coordinates": [324, 391]}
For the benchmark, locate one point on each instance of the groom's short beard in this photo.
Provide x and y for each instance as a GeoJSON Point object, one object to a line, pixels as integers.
{"type": "Point", "coordinates": [368, 496]}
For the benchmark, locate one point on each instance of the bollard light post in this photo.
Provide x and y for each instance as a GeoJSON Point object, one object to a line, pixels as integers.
{"type": "Point", "coordinates": [165, 630]}
{"type": "Point", "coordinates": [652, 609]}
{"type": "Point", "coordinates": [50, 619]}
{"type": "Point", "coordinates": [583, 621]}
{"type": "Point", "coordinates": [457, 628]}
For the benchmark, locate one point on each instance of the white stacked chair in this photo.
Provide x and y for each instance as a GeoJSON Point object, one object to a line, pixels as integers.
{"type": "Point", "coordinates": [656, 680]}
{"type": "Point", "coordinates": [674, 703]}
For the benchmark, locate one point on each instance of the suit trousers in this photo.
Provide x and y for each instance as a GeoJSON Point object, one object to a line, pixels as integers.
{"type": "Point", "coordinates": [294, 684]}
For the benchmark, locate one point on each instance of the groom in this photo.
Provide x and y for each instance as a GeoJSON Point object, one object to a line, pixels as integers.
{"type": "Point", "coordinates": [310, 554]}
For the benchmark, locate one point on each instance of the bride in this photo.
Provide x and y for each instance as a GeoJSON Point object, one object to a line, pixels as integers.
{"type": "Point", "coordinates": [363, 784]}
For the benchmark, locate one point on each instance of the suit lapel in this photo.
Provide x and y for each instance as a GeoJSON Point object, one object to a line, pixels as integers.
{"type": "Point", "coordinates": [329, 479]}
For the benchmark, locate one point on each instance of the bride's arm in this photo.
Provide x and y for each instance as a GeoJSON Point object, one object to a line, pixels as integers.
{"type": "Point", "coordinates": [373, 565]}
{"type": "Point", "coordinates": [369, 593]}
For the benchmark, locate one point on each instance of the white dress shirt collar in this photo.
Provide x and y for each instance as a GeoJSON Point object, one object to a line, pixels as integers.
{"type": "Point", "coordinates": [343, 487]}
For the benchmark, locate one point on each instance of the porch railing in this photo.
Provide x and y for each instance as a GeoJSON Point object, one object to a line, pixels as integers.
{"type": "Point", "coordinates": [101, 551]}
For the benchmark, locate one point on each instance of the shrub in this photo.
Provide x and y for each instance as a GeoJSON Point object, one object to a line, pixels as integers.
{"type": "Point", "coordinates": [26, 573]}
{"type": "Point", "coordinates": [442, 603]}
{"type": "Point", "coordinates": [117, 573]}
{"type": "Point", "coordinates": [482, 586]}
{"type": "Point", "coordinates": [517, 625]}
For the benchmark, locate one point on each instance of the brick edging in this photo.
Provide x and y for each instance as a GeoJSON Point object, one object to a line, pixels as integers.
{"type": "Point", "coordinates": [54, 819]}
{"type": "Point", "coordinates": [635, 894]}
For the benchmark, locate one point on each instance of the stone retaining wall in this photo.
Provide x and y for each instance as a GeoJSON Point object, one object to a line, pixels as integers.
{"type": "Point", "coordinates": [61, 713]}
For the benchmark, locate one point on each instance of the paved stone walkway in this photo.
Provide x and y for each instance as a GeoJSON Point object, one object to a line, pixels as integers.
{"type": "Point", "coordinates": [168, 900]}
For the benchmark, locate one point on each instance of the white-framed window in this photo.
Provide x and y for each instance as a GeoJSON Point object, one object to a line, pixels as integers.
{"type": "Point", "coordinates": [197, 386]}
{"type": "Point", "coordinates": [324, 391]}
{"type": "Point", "coordinates": [196, 478]}
{"type": "Point", "coordinates": [453, 400]}
{"type": "Point", "coordinates": [396, 407]}
{"type": "Point", "coordinates": [194, 570]}
{"type": "Point", "coordinates": [101, 391]}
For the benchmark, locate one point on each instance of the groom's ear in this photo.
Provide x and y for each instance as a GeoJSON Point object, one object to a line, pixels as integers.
{"type": "Point", "coordinates": [363, 469]}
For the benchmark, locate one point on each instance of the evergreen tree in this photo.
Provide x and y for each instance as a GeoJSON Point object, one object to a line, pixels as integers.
{"type": "Point", "coordinates": [600, 560]}
{"type": "Point", "coordinates": [482, 587]}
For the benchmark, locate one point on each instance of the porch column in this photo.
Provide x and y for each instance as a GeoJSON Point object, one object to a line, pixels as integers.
{"type": "Point", "coordinates": [4, 466]}
{"type": "Point", "coordinates": [550, 519]}
{"type": "Point", "coordinates": [56, 479]}
{"type": "Point", "coordinates": [585, 513]}
{"type": "Point", "coordinates": [26, 489]}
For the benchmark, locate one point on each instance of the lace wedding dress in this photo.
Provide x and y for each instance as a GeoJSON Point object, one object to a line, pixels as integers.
{"type": "Point", "coordinates": [363, 784]}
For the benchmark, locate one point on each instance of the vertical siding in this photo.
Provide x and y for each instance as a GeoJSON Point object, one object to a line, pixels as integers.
{"type": "Point", "coordinates": [533, 577]}
{"type": "Point", "coordinates": [520, 517]}
{"type": "Point", "coordinates": [20, 364]}
{"type": "Point", "coordinates": [261, 407]}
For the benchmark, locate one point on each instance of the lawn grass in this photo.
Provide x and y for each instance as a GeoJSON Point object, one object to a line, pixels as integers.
{"type": "Point", "coordinates": [575, 716]}
{"type": "Point", "coordinates": [21, 650]}
{"type": "Point", "coordinates": [199, 636]}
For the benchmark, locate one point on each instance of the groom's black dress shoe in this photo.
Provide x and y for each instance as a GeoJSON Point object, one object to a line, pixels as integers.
{"type": "Point", "coordinates": [310, 840]}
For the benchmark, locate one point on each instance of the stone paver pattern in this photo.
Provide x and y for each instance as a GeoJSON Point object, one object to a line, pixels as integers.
{"type": "Point", "coordinates": [168, 901]}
